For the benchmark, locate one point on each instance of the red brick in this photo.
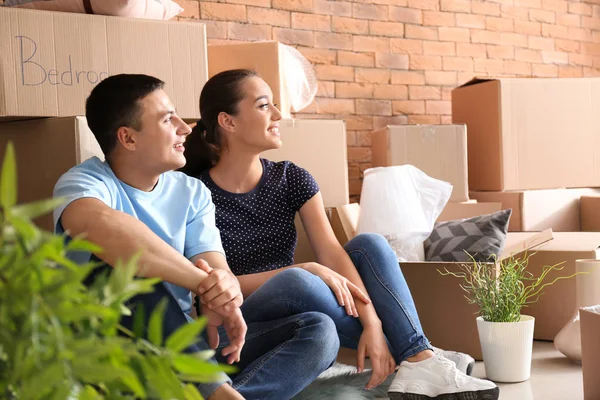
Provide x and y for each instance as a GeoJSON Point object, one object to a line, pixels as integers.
{"type": "Point", "coordinates": [590, 49]}
{"type": "Point", "coordinates": [409, 107]}
{"type": "Point", "coordinates": [555, 5]}
{"type": "Point", "coordinates": [424, 119]}
{"type": "Point", "coordinates": [570, 71]}
{"type": "Point", "coordinates": [470, 21]}
{"type": "Point", "coordinates": [373, 107]}
{"type": "Point", "coordinates": [333, 7]}
{"type": "Point", "coordinates": [596, 11]}
{"type": "Point", "coordinates": [529, 3]}
{"type": "Point", "coordinates": [514, 39]}
{"type": "Point", "coordinates": [440, 107]}
{"type": "Point", "coordinates": [387, 60]}
{"type": "Point", "coordinates": [518, 68]}
{"type": "Point", "coordinates": [353, 90]}
{"type": "Point", "coordinates": [334, 73]}
{"type": "Point", "coordinates": [485, 8]}
{"type": "Point", "coordinates": [555, 57]}
{"type": "Point", "coordinates": [353, 171]}
{"type": "Point", "coordinates": [318, 56]}
{"type": "Point", "coordinates": [456, 5]}
{"type": "Point", "coordinates": [357, 122]}
{"type": "Point", "coordinates": [248, 31]}
{"type": "Point", "coordinates": [408, 78]}
{"type": "Point", "coordinates": [457, 63]}
{"type": "Point", "coordinates": [447, 93]}
{"type": "Point", "coordinates": [326, 89]}
{"type": "Point", "coordinates": [591, 72]}
{"type": "Point", "coordinates": [407, 15]}
{"type": "Point", "coordinates": [425, 62]}
{"type": "Point", "coordinates": [580, 8]}
{"type": "Point", "coordinates": [351, 139]}
{"type": "Point", "coordinates": [364, 139]}
{"type": "Point", "coordinates": [292, 36]}
{"type": "Point", "coordinates": [256, 3]}
{"type": "Point", "coordinates": [335, 106]}
{"type": "Point", "coordinates": [439, 48]}
{"type": "Point", "coordinates": [370, 11]}
{"type": "Point", "coordinates": [540, 43]}
{"type": "Point", "coordinates": [499, 24]}
{"type": "Point", "coordinates": [390, 92]}
{"type": "Point", "coordinates": [392, 29]}
{"type": "Point", "coordinates": [489, 66]}
{"type": "Point", "coordinates": [372, 75]}
{"type": "Point", "coordinates": [424, 4]}
{"type": "Point", "coordinates": [510, 11]}
{"type": "Point", "coordinates": [191, 8]}
{"type": "Point", "coordinates": [333, 41]}
{"type": "Point", "coordinates": [532, 56]}
{"type": "Point", "coordinates": [215, 29]}
{"type": "Point", "coordinates": [454, 34]}
{"type": "Point", "coordinates": [311, 109]}
{"type": "Point", "coordinates": [359, 154]}
{"type": "Point", "coordinates": [586, 60]}
{"type": "Point", "coordinates": [489, 37]}
{"type": "Point", "coordinates": [568, 20]}
{"type": "Point", "coordinates": [220, 42]}
{"type": "Point", "coordinates": [420, 32]}
{"type": "Point", "coordinates": [356, 59]}
{"type": "Point", "coordinates": [466, 76]}
{"type": "Point", "coordinates": [294, 5]}
{"type": "Point", "coordinates": [528, 28]}
{"type": "Point", "coordinates": [446, 119]}
{"type": "Point", "coordinates": [502, 52]}
{"type": "Point", "coordinates": [567, 45]}
{"type": "Point", "coordinates": [355, 187]}
{"type": "Point", "coordinates": [470, 50]}
{"type": "Point", "coordinates": [313, 22]}
{"type": "Point", "coordinates": [268, 16]}
{"type": "Point", "coordinates": [555, 31]}
{"type": "Point", "coordinates": [437, 18]}
{"type": "Point", "coordinates": [545, 71]}
{"type": "Point", "coordinates": [368, 43]}
{"type": "Point", "coordinates": [424, 93]}
{"type": "Point", "coordinates": [542, 16]}
{"type": "Point", "coordinates": [440, 78]}
{"type": "Point", "coordinates": [408, 46]}
{"type": "Point", "coordinates": [590, 23]}
{"type": "Point", "coordinates": [585, 35]}
{"type": "Point", "coordinates": [223, 12]}
{"type": "Point", "coordinates": [381, 122]}
{"type": "Point", "coordinates": [402, 3]}
{"type": "Point", "coordinates": [349, 25]}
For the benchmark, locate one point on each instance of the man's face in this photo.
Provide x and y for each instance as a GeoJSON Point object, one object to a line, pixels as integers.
{"type": "Point", "coordinates": [159, 143]}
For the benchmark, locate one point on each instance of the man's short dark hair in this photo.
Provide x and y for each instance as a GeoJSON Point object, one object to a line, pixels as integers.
{"type": "Point", "coordinates": [115, 102]}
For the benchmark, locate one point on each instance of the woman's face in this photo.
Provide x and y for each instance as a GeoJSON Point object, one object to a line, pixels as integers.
{"type": "Point", "coordinates": [255, 127]}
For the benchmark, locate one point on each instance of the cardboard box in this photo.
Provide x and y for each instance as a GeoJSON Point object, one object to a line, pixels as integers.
{"type": "Point", "coordinates": [470, 209]}
{"type": "Point", "coordinates": [589, 207]}
{"type": "Point", "coordinates": [438, 150]}
{"type": "Point", "coordinates": [266, 58]}
{"type": "Point", "coordinates": [536, 210]}
{"type": "Point", "coordinates": [51, 61]}
{"type": "Point", "coordinates": [559, 301]}
{"type": "Point", "coordinates": [439, 300]}
{"type": "Point", "coordinates": [319, 146]}
{"type": "Point", "coordinates": [530, 133]}
{"type": "Point", "coordinates": [45, 149]}
{"type": "Point", "coordinates": [590, 353]}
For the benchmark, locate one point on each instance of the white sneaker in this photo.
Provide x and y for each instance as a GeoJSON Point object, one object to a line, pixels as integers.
{"type": "Point", "coordinates": [438, 378]}
{"type": "Point", "coordinates": [464, 362]}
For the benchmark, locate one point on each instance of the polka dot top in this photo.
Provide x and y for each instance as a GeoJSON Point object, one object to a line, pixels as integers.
{"type": "Point", "coordinates": [257, 228]}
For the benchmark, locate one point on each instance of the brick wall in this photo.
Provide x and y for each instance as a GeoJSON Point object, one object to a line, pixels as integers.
{"type": "Point", "coordinates": [395, 61]}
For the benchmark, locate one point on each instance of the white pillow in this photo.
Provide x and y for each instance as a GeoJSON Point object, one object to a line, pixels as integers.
{"type": "Point", "coordinates": [147, 9]}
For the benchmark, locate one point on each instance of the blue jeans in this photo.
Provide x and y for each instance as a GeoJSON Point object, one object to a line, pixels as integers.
{"type": "Point", "coordinates": [296, 291]}
{"type": "Point", "coordinates": [281, 355]}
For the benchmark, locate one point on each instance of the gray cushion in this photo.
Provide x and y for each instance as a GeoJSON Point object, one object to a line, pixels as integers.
{"type": "Point", "coordinates": [479, 236]}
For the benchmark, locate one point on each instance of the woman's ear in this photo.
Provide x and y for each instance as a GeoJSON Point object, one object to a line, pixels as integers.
{"type": "Point", "coordinates": [126, 137]}
{"type": "Point", "coordinates": [226, 122]}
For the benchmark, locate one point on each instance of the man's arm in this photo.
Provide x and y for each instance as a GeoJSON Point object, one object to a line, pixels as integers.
{"type": "Point", "coordinates": [121, 236]}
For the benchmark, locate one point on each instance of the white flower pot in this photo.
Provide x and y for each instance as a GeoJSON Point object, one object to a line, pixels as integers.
{"type": "Point", "coordinates": [506, 348]}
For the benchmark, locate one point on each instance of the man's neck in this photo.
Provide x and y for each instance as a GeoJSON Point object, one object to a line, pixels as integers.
{"type": "Point", "coordinates": [130, 172]}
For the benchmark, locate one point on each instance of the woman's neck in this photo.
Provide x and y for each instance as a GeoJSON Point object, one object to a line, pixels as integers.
{"type": "Point", "coordinates": [237, 173]}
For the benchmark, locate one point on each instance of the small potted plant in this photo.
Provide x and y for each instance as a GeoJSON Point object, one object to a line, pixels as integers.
{"type": "Point", "coordinates": [500, 293]}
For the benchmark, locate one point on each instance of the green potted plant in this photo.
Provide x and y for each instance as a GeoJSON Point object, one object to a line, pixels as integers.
{"type": "Point", "coordinates": [62, 340]}
{"type": "Point", "coordinates": [505, 334]}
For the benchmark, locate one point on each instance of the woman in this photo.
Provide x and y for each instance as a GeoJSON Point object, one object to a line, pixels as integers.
{"type": "Point", "coordinates": [359, 286]}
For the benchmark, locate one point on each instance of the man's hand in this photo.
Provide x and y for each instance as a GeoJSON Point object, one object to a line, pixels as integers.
{"type": "Point", "coordinates": [235, 327]}
{"type": "Point", "coordinates": [220, 290]}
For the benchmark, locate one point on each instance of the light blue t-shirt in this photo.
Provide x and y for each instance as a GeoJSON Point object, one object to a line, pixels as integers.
{"type": "Point", "coordinates": [179, 209]}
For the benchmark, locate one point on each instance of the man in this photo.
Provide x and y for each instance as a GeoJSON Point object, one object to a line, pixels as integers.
{"type": "Point", "coordinates": [135, 201]}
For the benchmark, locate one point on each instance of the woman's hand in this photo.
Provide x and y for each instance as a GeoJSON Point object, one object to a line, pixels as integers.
{"type": "Point", "coordinates": [372, 343]}
{"type": "Point", "coordinates": [343, 289]}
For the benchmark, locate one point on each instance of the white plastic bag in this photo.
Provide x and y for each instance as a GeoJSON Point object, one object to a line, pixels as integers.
{"type": "Point", "coordinates": [402, 203]}
{"type": "Point", "coordinates": [299, 78]}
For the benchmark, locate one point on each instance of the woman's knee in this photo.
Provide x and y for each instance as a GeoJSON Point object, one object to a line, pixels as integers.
{"type": "Point", "coordinates": [298, 279]}
{"type": "Point", "coordinates": [370, 241]}
{"type": "Point", "coordinates": [325, 337]}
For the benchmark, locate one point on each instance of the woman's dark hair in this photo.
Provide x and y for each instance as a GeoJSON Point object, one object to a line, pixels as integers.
{"type": "Point", "coordinates": [222, 93]}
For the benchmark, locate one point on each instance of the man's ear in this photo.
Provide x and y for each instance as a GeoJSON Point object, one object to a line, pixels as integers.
{"type": "Point", "coordinates": [226, 122]}
{"type": "Point", "coordinates": [126, 137]}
